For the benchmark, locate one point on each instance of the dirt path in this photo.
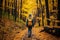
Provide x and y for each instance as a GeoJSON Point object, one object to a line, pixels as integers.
{"type": "Point", "coordinates": [36, 35]}
{"type": "Point", "coordinates": [20, 35]}
{"type": "Point", "coordinates": [43, 35]}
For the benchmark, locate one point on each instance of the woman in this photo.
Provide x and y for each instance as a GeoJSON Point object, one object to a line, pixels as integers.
{"type": "Point", "coordinates": [30, 24]}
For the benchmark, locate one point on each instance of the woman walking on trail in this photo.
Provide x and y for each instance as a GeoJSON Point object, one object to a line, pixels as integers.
{"type": "Point", "coordinates": [30, 24]}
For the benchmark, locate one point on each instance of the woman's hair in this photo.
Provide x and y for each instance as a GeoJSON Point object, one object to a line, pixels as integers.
{"type": "Point", "coordinates": [30, 15]}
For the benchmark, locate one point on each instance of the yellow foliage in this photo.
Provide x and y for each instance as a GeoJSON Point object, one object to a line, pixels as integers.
{"type": "Point", "coordinates": [28, 6]}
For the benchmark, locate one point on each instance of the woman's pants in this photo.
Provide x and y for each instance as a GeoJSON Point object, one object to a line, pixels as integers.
{"type": "Point", "coordinates": [29, 31]}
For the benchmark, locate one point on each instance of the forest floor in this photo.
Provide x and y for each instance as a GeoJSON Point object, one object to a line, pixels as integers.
{"type": "Point", "coordinates": [36, 35]}
{"type": "Point", "coordinates": [10, 30]}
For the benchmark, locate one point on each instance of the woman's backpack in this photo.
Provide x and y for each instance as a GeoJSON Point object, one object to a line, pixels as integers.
{"type": "Point", "coordinates": [29, 22]}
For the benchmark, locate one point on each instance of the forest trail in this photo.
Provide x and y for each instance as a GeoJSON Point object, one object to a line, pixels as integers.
{"type": "Point", "coordinates": [36, 35]}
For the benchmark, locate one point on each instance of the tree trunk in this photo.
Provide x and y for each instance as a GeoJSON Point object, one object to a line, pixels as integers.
{"type": "Point", "coordinates": [58, 9]}
{"type": "Point", "coordinates": [47, 11]}
{"type": "Point", "coordinates": [15, 10]}
{"type": "Point", "coordinates": [1, 8]}
{"type": "Point", "coordinates": [58, 16]}
{"type": "Point", "coordinates": [21, 9]}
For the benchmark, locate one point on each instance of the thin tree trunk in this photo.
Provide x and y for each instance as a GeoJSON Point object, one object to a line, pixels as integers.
{"type": "Point", "coordinates": [47, 11]}
{"type": "Point", "coordinates": [21, 9]}
{"type": "Point", "coordinates": [15, 12]}
{"type": "Point", "coordinates": [41, 12]}
{"type": "Point", "coordinates": [58, 16]}
{"type": "Point", "coordinates": [0, 13]}
{"type": "Point", "coordinates": [58, 9]}
{"type": "Point", "coordinates": [1, 8]}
